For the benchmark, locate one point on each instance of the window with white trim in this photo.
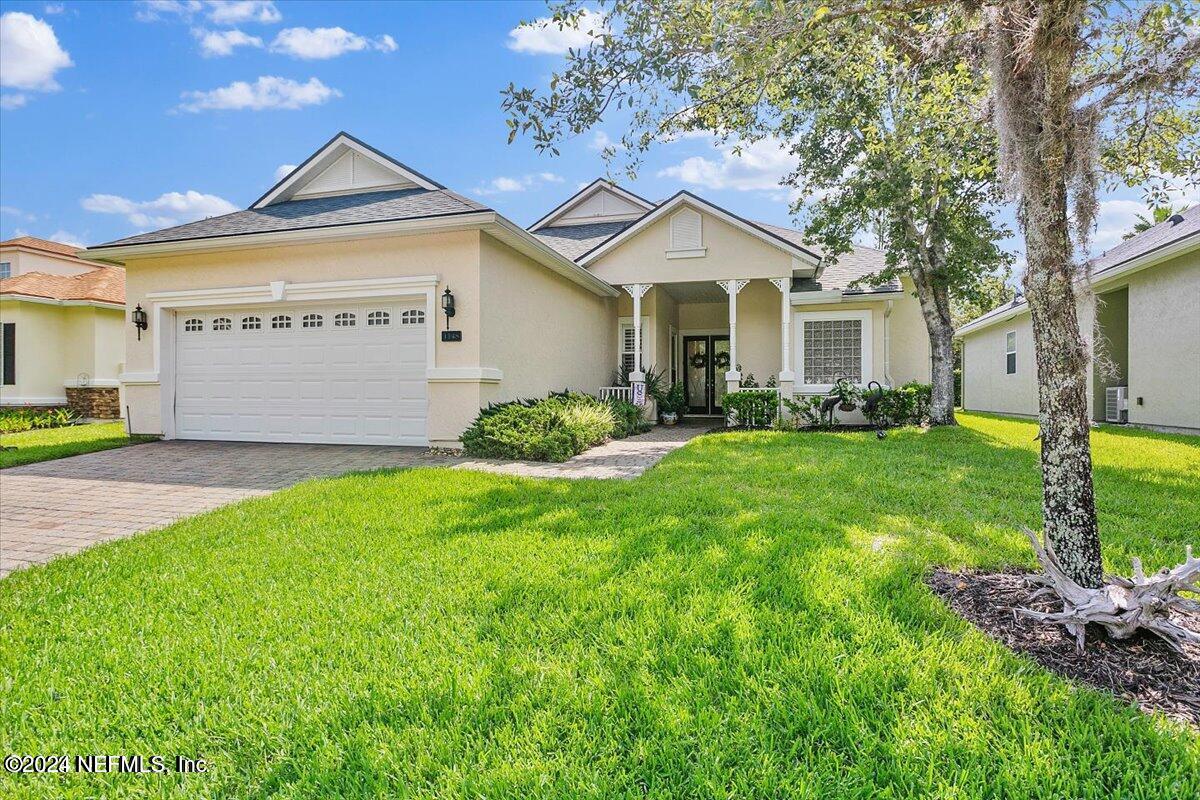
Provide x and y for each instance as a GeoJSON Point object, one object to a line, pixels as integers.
{"type": "Point", "coordinates": [344, 319]}
{"type": "Point", "coordinates": [833, 346]}
{"type": "Point", "coordinates": [312, 321]}
{"type": "Point", "coordinates": [413, 316]}
{"type": "Point", "coordinates": [251, 323]}
{"type": "Point", "coordinates": [1010, 353]}
{"type": "Point", "coordinates": [281, 322]}
{"type": "Point", "coordinates": [5, 269]}
{"type": "Point", "coordinates": [627, 340]}
{"type": "Point", "coordinates": [378, 318]}
{"type": "Point", "coordinates": [193, 325]}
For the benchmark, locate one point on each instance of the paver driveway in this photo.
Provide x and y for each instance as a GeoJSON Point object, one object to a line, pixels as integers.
{"type": "Point", "coordinates": [66, 505]}
{"type": "Point", "coordinates": [62, 506]}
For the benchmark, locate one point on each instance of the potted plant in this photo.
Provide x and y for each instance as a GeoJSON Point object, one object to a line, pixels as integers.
{"type": "Point", "coordinates": [671, 404]}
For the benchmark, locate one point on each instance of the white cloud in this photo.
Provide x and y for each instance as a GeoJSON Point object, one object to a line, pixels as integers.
{"type": "Point", "coordinates": [544, 36]}
{"type": "Point", "coordinates": [13, 211]}
{"type": "Point", "coordinates": [29, 56]}
{"type": "Point", "coordinates": [13, 100]}
{"type": "Point", "coordinates": [321, 43]}
{"type": "Point", "coordinates": [66, 237]}
{"type": "Point", "coordinates": [518, 184]}
{"type": "Point", "coordinates": [600, 141]}
{"type": "Point", "coordinates": [267, 93]}
{"type": "Point", "coordinates": [282, 171]}
{"type": "Point", "coordinates": [230, 12]}
{"type": "Point", "coordinates": [53, 8]}
{"type": "Point", "coordinates": [223, 43]}
{"type": "Point", "coordinates": [220, 12]}
{"type": "Point", "coordinates": [171, 208]}
{"type": "Point", "coordinates": [760, 166]}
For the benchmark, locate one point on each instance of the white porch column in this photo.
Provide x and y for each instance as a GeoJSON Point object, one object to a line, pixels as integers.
{"type": "Point", "coordinates": [787, 377]}
{"type": "Point", "coordinates": [732, 287]}
{"type": "Point", "coordinates": [637, 376]}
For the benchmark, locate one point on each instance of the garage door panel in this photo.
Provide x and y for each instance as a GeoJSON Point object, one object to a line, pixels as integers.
{"type": "Point", "coordinates": [344, 382]}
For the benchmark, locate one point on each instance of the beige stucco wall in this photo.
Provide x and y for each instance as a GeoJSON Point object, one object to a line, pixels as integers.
{"type": "Point", "coordinates": [1164, 344]}
{"type": "Point", "coordinates": [22, 261]}
{"type": "Point", "coordinates": [731, 253]}
{"type": "Point", "coordinates": [544, 332]}
{"type": "Point", "coordinates": [986, 384]}
{"type": "Point", "coordinates": [56, 344]}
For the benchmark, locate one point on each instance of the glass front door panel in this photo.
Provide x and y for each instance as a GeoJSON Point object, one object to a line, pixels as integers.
{"type": "Point", "coordinates": [721, 365]}
{"type": "Point", "coordinates": [695, 370]}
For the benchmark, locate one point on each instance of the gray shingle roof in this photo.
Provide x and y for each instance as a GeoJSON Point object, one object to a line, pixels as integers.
{"type": "Point", "coordinates": [575, 240]}
{"type": "Point", "coordinates": [318, 212]}
{"type": "Point", "coordinates": [849, 267]}
{"type": "Point", "coordinates": [1159, 236]}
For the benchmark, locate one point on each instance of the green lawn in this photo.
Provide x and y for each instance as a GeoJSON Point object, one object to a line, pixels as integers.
{"type": "Point", "coordinates": [44, 445]}
{"type": "Point", "coordinates": [748, 619]}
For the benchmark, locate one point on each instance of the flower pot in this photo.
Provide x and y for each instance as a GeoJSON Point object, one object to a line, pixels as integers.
{"type": "Point", "coordinates": [846, 406]}
{"type": "Point", "coordinates": [669, 418]}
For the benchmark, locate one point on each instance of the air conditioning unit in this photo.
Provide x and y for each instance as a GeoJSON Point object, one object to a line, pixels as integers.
{"type": "Point", "coordinates": [1116, 404]}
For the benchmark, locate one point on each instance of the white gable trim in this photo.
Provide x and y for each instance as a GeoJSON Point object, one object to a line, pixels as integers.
{"type": "Point", "coordinates": [321, 160]}
{"type": "Point", "coordinates": [600, 184]}
{"type": "Point", "coordinates": [798, 254]}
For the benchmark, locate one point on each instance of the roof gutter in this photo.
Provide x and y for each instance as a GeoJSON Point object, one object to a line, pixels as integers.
{"type": "Point", "coordinates": [54, 301]}
{"type": "Point", "coordinates": [1138, 263]}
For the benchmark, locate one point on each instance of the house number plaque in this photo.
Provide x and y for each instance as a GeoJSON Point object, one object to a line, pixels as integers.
{"type": "Point", "coordinates": [451, 336]}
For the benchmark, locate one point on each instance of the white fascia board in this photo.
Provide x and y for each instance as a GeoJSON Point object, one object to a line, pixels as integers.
{"type": "Point", "coordinates": [585, 193]}
{"type": "Point", "coordinates": [686, 198]}
{"type": "Point", "coordinates": [50, 301]}
{"type": "Point", "coordinates": [1003, 316]}
{"type": "Point", "coordinates": [326, 156]}
{"type": "Point", "coordinates": [353, 230]}
{"type": "Point", "coordinates": [525, 242]}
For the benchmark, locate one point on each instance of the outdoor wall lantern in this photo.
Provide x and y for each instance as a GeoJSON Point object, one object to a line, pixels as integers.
{"type": "Point", "coordinates": [141, 320]}
{"type": "Point", "coordinates": [448, 305]}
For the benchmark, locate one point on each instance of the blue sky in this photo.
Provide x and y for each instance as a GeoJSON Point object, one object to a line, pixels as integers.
{"type": "Point", "coordinates": [121, 117]}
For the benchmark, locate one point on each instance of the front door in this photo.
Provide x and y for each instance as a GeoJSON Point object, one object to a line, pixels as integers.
{"type": "Point", "coordinates": [705, 362]}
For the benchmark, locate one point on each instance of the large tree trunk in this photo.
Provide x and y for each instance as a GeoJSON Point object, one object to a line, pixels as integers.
{"type": "Point", "coordinates": [1033, 50]}
{"type": "Point", "coordinates": [935, 308]}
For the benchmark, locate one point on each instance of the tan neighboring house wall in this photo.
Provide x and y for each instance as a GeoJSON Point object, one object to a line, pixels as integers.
{"type": "Point", "coordinates": [1164, 345]}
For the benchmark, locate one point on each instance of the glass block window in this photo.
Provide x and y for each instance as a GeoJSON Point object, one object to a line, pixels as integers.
{"type": "Point", "coordinates": [833, 350]}
{"type": "Point", "coordinates": [281, 322]}
{"type": "Point", "coordinates": [222, 324]}
{"type": "Point", "coordinates": [1010, 353]}
{"type": "Point", "coordinates": [412, 317]}
{"type": "Point", "coordinates": [193, 325]}
{"type": "Point", "coordinates": [379, 318]}
{"type": "Point", "coordinates": [312, 321]}
{"type": "Point", "coordinates": [344, 319]}
{"type": "Point", "coordinates": [251, 323]}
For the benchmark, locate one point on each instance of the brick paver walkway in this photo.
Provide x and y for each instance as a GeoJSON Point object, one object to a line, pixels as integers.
{"type": "Point", "coordinates": [63, 506]}
{"type": "Point", "coordinates": [66, 505]}
{"type": "Point", "coordinates": [623, 458]}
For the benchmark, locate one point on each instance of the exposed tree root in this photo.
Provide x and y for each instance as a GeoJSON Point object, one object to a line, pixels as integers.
{"type": "Point", "coordinates": [1122, 606]}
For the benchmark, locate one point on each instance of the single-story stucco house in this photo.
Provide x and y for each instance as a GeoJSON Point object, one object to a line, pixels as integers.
{"type": "Point", "coordinates": [63, 323]}
{"type": "Point", "coordinates": [1139, 311]}
{"type": "Point", "coordinates": [317, 314]}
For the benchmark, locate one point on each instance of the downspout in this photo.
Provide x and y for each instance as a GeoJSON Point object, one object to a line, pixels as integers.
{"type": "Point", "coordinates": [887, 343]}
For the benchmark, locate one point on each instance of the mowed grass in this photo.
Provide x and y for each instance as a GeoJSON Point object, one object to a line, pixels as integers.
{"type": "Point", "coordinates": [50, 443]}
{"type": "Point", "coordinates": [748, 619]}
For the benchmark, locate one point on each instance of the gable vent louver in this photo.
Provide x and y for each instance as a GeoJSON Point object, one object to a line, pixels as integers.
{"type": "Point", "coordinates": [685, 230]}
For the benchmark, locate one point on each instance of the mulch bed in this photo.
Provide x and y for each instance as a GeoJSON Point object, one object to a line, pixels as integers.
{"type": "Point", "coordinates": [1142, 669]}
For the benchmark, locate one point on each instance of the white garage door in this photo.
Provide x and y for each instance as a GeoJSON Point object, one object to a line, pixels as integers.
{"type": "Point", "coordinates": [346, 373]}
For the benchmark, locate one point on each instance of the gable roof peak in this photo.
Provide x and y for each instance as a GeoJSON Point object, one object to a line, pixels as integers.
{"type": "Point", "coordinates": [345, 165]}
{"type": "Point", "coordinates": [599, 201]}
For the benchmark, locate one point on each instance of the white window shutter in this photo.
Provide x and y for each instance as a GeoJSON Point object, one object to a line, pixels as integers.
{"type": "Point", "coordinates": [685, 230]}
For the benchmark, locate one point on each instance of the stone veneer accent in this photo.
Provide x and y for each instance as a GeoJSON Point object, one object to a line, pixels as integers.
{"type": "Point", "coordinates": [95, 402]}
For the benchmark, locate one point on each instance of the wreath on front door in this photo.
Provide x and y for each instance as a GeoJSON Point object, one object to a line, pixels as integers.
{"type": "Point", "coordinates": [721, 360]}
{"type": "Point", "coordinates": [699, 360]}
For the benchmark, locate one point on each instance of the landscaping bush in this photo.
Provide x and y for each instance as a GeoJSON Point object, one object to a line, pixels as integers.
{"type": "Point", "coordinates": [750, 408]}
{"type": "Point", "coordinates": [905, 405]}
{"type": "Point", "coordinates": [553, 429]}
{"type": "Point", "coordinates": [16, 420]}
{"type": "Point", "coordinates": [629, 420]}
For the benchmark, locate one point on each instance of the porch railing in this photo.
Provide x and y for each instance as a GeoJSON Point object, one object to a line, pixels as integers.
{"type": "Point", "coordinates": [617, 393]}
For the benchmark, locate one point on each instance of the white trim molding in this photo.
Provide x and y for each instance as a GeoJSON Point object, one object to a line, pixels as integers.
{"type": "Point", "coordinates": [138, 378]}
{"type": "Point", "coordinates": [699, 252]}
{"type": "Point", "coordinates": [6, 400]}
{"type": "Point", "coordinates": [50, 301]}
{"type": "Point", "coordinates": [867, 345]}
{"type": "Point", "coordinates": [464, 375]}
{"type": "Point", "coordinates": [91, 383]}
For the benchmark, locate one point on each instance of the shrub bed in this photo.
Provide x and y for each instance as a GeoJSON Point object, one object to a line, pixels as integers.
{"type": "Point", "coordinates": [552, 429]}
{"type": "Point", "coordinates": [16, 420]}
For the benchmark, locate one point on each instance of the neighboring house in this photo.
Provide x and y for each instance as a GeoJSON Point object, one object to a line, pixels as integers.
{"type": "Point", "coordinates": [316, 315]}
{"type": "Point", "coordinates": [63, 328]}
{"type": "Point", "coordinates": [1139, 312]}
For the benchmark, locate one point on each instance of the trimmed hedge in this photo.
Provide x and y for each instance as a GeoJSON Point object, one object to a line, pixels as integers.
{"type": "Point", "coordinates": [553, 429]}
